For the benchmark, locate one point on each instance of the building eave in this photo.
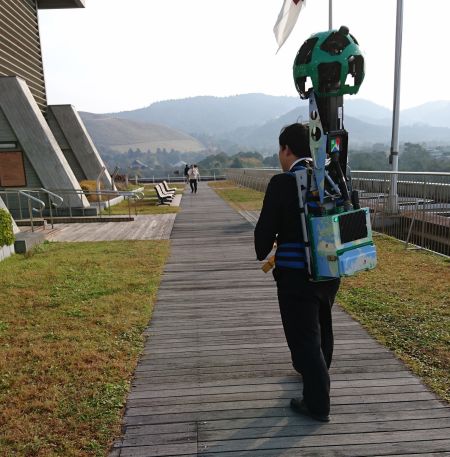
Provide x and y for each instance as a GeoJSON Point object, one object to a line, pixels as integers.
{"type": "Point", "coordinates": [60, 4]}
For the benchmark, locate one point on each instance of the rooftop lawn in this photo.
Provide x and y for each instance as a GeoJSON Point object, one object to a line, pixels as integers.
{"type": "Point", "coordinates": [71, 323]}
{"type": "Point", "coordinates": [145, 206]}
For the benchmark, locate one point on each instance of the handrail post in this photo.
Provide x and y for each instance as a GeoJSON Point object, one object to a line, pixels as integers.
{"type": "Point", "coordinates": [423, 209]}
{"type": "Point", "coordinates": [50, 208]}
{"type": "Point", "coordinates": [31, 215]}
{"type": "Point", "coordinates": [99, 194]}
{"type": "Point", "coordinates": [411, 226]}
{"type": "Point", "coordinates": [20, 204]}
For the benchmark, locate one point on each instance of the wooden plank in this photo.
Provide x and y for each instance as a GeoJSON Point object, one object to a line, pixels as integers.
{"type": "Point", "coordinates": [216, 368]}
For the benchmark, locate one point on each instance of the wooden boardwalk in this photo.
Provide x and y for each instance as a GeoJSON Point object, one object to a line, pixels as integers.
{"type": "Point", "coordinates": [144, 227]}
{"type": "Point", "coordinates": [216, 379]}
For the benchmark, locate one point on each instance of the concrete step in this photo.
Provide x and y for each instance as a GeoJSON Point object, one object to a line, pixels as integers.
{"type": "Point", "coordinates": [90, 219]}
{"type": "Point", "coordinates": [28, 240]}
{"type": "Point", "coordinates": [38, 222]}
{"type": "Point", "coordinates": [48, 231]}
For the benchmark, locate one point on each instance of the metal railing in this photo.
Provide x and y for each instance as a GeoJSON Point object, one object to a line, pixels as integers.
{"type": "Point", "coordinates": [255, 178]}
{"type": "Point", "coordinates": [155, 176]}
{"type": "Point", "coordinates": [73, 201]}
{"type": "Point", "coordinates": [29, 199]}
{"type": "Point", "coordinates": [103, 197]}
{"type": "Point", "coordinates": [422, 215]}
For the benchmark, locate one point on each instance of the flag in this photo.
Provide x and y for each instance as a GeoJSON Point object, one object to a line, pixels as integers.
{"type": "Point", "coordinates": [287, 19]}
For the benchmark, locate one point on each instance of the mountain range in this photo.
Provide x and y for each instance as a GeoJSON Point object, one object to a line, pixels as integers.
{"type": "Point", "coordinates": [213, 115]}
{"type": "Point", "coordinates": [253, 121]}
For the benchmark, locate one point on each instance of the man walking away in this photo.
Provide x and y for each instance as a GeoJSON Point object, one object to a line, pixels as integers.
{"type": "Point", "coordinates": [193, 175]}
{"type": "Point", "coordinates": [305, 306]}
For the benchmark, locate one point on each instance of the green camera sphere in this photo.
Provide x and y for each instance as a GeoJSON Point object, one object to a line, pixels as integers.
{"type": "Point", "coordinates": [328, 58]}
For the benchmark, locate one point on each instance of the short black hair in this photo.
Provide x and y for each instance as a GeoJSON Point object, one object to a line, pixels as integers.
{"type": "Point", "coordinates": [296, 136]}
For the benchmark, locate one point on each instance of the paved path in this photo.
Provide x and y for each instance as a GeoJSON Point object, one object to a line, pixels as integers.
{"type": "Point", "coordinates": [144, 227]}
{"type": "Point", "coordinates": [215, 378]}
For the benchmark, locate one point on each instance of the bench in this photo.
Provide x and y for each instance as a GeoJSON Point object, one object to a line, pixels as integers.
{"type": "Point", "coordinates": [163, 196]}
{"type": "Point", "coordinates": [168, 189]}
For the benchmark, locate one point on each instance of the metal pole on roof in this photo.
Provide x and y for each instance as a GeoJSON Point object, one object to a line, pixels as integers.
{"type": "Point", "coordinates": [330, 14]}
{"type": "Point", "coordinates": [393, 158]}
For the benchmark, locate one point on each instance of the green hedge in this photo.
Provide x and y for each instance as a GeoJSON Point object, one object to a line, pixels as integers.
{"type": "Point", "coordinates": [7, 237]}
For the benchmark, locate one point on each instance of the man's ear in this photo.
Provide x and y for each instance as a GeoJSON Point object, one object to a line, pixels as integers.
{"type": "Point", "coordinates": [288, 151]}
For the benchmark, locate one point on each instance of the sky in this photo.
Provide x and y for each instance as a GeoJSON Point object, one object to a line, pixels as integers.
{"type": "Point", "coordinates": [118, 55]}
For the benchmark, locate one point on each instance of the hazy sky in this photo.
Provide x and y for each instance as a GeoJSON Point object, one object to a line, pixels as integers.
{"type": "Point", "coordinates": [117, 55]}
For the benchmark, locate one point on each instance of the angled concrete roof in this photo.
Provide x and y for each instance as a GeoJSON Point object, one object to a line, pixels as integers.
{"type": "Point", "coordinates": [60, 4]}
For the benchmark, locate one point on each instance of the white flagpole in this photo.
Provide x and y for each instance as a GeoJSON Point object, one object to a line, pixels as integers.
{"type": "Point", "coordinates": [393, 197]}
{"type": "Point", "coordinates": [330, 14]}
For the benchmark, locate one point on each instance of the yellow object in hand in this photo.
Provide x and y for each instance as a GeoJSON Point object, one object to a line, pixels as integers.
{"type": "Point", "coordinates": [269, 265]}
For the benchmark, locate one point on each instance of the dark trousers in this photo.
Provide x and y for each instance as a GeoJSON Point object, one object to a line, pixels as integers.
{"type": "Point", "coordinates": [193, 183]}
{"type": "Point", "coordinates": [305, 308]}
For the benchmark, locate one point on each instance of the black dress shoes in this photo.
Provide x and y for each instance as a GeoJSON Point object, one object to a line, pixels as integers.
{"type": "Point", "coordinates": [298, 405]}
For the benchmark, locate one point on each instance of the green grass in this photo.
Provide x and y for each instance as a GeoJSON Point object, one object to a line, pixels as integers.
{"type": "Point", "coordinates": [242, 199]}
{"type": "Point", "coordinates": [142, 206]}
{"type": "Point", "coordinates": [216, 184]}
{"type": "Point", "coordinates": [405, 304]}
{"type": "Point", "coordinates": [72, 316]}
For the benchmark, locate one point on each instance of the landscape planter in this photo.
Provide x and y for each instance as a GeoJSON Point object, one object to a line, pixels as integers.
{"type": "Point", "coordinates": [6, 251]}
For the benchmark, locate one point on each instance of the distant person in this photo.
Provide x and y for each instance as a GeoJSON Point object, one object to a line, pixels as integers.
{"type": "Point", "coordinates": [186, 172]}
{"type": "Point", "coordinates": [193, 175]}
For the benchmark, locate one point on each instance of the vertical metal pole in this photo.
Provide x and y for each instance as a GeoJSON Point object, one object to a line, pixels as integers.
{"type": "Point", "coordinates": [51, 211]}
{"type": "Point", "coordinates": [424, 210]}
{"type": "Point", "coordinates": [31, 215]}
{"type": "Point", "coordinates": [330, 15]}
{"type": "Point", "coordinates": [393, 159]}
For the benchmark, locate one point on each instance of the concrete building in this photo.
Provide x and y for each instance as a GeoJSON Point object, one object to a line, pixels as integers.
{"type": "Point", "coordinates": [40, 145]}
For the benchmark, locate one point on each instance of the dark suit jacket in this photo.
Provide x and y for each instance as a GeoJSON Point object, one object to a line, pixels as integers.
{"type": "Point", "coordinates": [280, 216]}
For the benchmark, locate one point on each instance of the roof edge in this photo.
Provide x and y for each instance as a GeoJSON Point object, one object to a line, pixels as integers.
{"type": "Point", "coordinates": [60, 4]}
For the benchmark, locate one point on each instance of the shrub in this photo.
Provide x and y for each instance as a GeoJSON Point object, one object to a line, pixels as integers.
{"type": "Point", "coordinates": [7, 237]}
{"type": "Point", "coordinates": [90, 185]}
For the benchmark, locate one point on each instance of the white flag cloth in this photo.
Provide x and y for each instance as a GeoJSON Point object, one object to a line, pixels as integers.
{"type": "Point", "coordinates": [287, 19]}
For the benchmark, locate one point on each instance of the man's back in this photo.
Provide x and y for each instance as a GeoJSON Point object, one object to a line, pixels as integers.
{"type": "Point", "coordinates": [280, 216]}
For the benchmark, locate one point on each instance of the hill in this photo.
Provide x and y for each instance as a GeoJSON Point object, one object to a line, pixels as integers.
{"type": "Point", "coordinates": [122, 134]}
{"type": "Point", "coordinates": [213, 115]}
{"type": "Point", "coordinates": [360, 133]}
{"type": "Point", "coordinates": [433, 113]}
{"type": "Point", "coordinates": [253, 122]}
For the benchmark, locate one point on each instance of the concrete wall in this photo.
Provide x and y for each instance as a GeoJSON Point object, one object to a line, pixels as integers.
{"type": "Point", "coordinates": [256, 179]}
{"type": "Point", "coordinates": [35, 137]}
{"type": "Point", "coordinates": [77, 140]}
{"type": "Point", "coordinates": [65, 146]}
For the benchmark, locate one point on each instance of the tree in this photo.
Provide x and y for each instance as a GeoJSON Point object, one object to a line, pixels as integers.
{"type": "Point", "coordinates": [415, 158]}
{"type": "Point", "coordinates": [272, 162]}
{"type": "Point", "coordinates": [237, 163]}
